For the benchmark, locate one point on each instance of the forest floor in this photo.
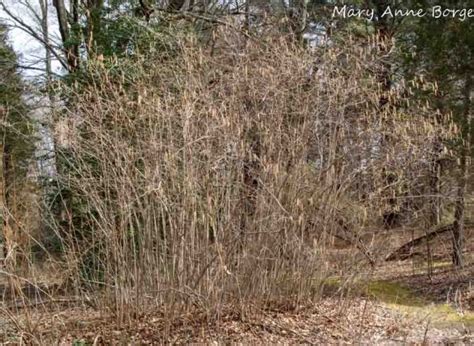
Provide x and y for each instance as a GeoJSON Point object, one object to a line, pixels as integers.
{"type": "Point", "coordinates": [403, 302]}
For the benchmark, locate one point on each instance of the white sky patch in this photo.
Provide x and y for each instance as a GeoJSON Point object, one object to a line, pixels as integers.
{"type": "Point", "coordinates": [31, 53]}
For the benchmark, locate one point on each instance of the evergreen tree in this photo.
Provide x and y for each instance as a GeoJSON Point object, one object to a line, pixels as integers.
{"type": "Point", "coordinates": [442, 51]}
{"type": "Point", "coordinates": [17, 144]}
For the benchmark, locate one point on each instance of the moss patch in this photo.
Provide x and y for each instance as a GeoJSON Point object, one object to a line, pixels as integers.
{"type": "Point", "coordinates": [402, 299]}
{"type": "Point", "coordinates": [439, 314]}
{"type": "Point", "coordinates": [392, 293]}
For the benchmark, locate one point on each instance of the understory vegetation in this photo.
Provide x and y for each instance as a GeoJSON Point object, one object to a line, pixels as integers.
{"type": "Point", "coordinates": [221, 164]}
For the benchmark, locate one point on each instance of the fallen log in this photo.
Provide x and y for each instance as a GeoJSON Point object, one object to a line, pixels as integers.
{"type": "Point", "coordinates": [405, 251]}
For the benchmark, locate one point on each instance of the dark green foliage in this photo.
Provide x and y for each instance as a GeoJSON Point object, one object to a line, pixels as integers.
{"type": "Point", "coordinates": [16, 126]}
{"type": "Point", "coordinates": [442, 51]}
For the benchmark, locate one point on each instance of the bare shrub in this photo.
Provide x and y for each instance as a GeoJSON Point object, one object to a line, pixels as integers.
{"type": "Point", "coordinates": [208, 178]}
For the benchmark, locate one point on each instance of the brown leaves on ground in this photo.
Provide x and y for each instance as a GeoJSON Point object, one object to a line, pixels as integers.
{"type": "Point", "coordinates": [350, 319]}
{"type": "Point", "coordinates": [328, 321]}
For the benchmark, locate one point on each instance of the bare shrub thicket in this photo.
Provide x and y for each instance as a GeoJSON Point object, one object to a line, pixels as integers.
{"type": "Point", "coordinates": [214, 177]}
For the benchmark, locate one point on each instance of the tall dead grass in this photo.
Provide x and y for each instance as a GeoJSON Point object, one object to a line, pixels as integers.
{"type": "Point", "coordinates": [204, 178]}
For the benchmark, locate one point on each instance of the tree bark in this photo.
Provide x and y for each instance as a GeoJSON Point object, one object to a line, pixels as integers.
{"type": "Point", "coordinates": [94, 27]}
{"type": "Point", "coordinates": [4, 234]}
{"type": "Point", "coordinates": [435, 212]}
{"type": "Point", "coordinates": [458, 229]}
{"type": "Point", "coordinates": [72, 59]}
{"type": "Point", "coordinates": [45, 32]}
{"type": "Point", "coordinates": [8, 250]}
{"type": "Point", "coordinates": [299, 14]}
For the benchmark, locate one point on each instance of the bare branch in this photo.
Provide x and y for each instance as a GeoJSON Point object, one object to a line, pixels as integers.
{"type": "Point", "coordinates": [33, 33]}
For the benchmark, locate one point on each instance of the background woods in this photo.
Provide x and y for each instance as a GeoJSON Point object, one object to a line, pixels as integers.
{"type": "Point", "coordinates": [178, 155]}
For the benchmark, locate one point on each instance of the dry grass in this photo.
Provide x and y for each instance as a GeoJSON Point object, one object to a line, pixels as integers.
{"type": "Point", "coordinates": [215, 177]}
{"type": "Point", "coordinates": [216, 181]}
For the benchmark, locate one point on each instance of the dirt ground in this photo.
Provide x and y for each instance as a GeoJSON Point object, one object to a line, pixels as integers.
{"type": "Point", "coordinates": [401, 302]}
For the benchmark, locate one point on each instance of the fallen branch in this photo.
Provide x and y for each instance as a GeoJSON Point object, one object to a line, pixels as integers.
{"type": "Point", "coordinates": [405, 251]}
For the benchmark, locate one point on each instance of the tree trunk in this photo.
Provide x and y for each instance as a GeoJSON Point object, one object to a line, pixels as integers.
{"type": "Point", "coordinates": [94, 26]}
{"type": "Point", "coordinates": [3, 214]}
{"type": "Point", "coordinates": [45, 33]}
{"type": "Point", "coordinates": [435, 188]}
{"type": "Point", "coordinates": [72, 59]}
{"type": "Point", "coordinates": [7, 232]}
{"type": "Point", "coordinates": [458, 229]}
{"type": "Point", "coordinates": [75, 20]}
{"type": "Point", "coordinates": [299, 18]}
